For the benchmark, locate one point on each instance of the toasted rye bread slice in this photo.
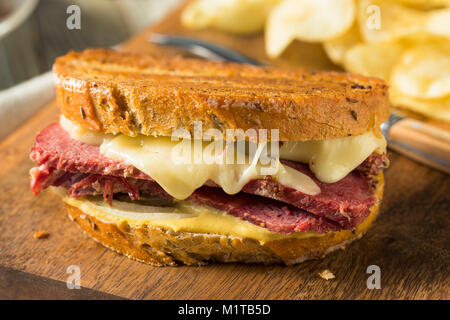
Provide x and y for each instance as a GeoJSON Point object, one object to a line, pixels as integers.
{"type": "Point", "coordinates": [115, 92]}
{"type": "Point", "coordinates": [162, 247]}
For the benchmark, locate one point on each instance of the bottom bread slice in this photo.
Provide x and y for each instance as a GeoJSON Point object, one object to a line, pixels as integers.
{"type": "Point", "coordinates": [164, 247]}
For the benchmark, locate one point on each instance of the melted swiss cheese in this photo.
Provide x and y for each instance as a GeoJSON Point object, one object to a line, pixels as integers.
{"type": "Point", "coordinates": [155, 157]}
{"type": "Point", "coordinates": [330, 160]}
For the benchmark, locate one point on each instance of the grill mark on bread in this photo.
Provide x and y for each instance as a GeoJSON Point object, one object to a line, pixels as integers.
{"type": "Point", "coordinates": [83, 115]}
{"type": "Point", "coordinates": [121, 103]}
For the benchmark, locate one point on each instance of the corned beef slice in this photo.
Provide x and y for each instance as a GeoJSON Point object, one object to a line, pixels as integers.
{"type": "Point", "coordinates": [55, 148]}
{"type": "Point", "coordinates": [81, 169]}
{"type": "Point", "coordinates": [273, 215]}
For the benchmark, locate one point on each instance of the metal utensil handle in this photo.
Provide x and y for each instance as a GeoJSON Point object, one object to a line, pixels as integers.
{"type": "Point", "coordinates": [199, 47]}
{"type": "Point", "coordinates": [422, 142]}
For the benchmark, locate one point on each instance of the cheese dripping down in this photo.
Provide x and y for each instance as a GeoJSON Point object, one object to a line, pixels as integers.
{"type": "Point", "coordinates": [174, 168]}
{"type": "Point", "coordinates": [329, 160]}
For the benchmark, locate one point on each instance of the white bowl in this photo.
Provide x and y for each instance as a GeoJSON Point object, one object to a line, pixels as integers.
{"type": "Point", "coordinates": [14, 13]}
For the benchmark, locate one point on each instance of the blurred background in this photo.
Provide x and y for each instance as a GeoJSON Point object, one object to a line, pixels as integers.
{"type": "Point", "coordinates": [36, 40]}
{"type": "Point", "coordinates": [404, 42]}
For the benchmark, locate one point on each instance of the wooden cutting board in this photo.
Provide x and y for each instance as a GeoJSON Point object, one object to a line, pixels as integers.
{"type": "Point", "coordinates": [409, 241]}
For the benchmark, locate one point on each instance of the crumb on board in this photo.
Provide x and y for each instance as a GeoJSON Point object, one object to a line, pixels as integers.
{"type": "Point", "coordinates": [326, 274]}
{"type": "Point", "coordinates": [41, 235]}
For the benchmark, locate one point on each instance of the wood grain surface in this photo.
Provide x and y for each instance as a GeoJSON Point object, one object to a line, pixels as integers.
{"type": "Point", "coordinates": [409, 241]}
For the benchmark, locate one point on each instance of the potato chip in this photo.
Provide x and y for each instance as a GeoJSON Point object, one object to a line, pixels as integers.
{"type": "Point", "coordinates": [434, 108]}
{"type": "Point", "coordinates": [374, 59]}
{"type": "Point", "coordinates": [336, 48]}
{"type": "Point", "coordinates": [423, 72]}
{"type": "Point", "coordinates": [237, 16]}
{"type": "Point", "coordinates": [382, 21]}
{"type": "Point", "coordinates": [307, 20]}
{"type": "Point", "coordinates": [386, 21]}
{"type": "Point", "coordinates": [425, 4]}
{"type": "Point", "coordinates": [439, 23]}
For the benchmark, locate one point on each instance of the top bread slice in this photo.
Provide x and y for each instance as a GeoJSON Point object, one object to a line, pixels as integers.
{"type": "Point", "coordinates": [114, 92]}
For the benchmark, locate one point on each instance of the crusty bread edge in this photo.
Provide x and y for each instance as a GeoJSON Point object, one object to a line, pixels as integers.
{"type": "Point", "coordinates": [163, 247]}
{"type": "Point", "coordinates": [111, 107]}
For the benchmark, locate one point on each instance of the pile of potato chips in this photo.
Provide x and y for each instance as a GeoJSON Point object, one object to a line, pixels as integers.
{"type": "Point", "coordinates": [405, 42]}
